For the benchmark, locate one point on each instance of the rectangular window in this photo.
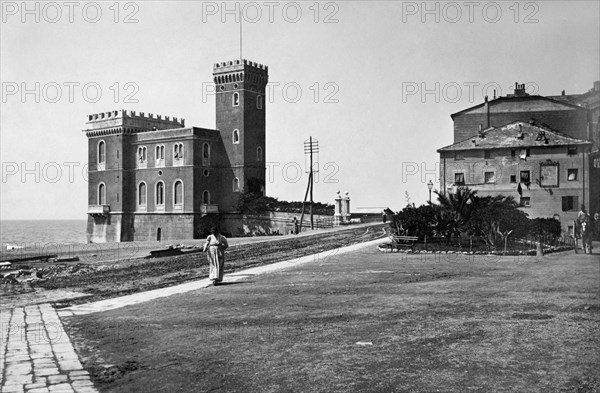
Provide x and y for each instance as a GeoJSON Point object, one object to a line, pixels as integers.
{"type": "Point", "coordinates": [525, 201]}
{"type": "Point", "coordinates": [524, 153]}
{"type": "Point", "coordinates": [459, 178]}
{"type": "Point", "coordinates": [513, 178]}
{"type": "Point", "coordinates": [549, 174]}
{"type": "Point", "coordinates": [525, 177]}
{"type": "Point", "coordinates": [572, 151]}
{"type": "Point", "coordinates": [513, 153]}
{"type": "Point", "coordinates": [572, 174]}
{"type": "Point", "coordinates": [459, 155]}
{"type": "Point", "coordinates": [487, 154]}
{"type": "Point", "coordinates": [569, 203]}
{"type": "Point", "coordinates": [490, 177]}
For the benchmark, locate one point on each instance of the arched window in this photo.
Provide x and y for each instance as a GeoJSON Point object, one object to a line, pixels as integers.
{"type": "Point", "coordinates": [236, 99]}
{"type": "Point", "coordinates": [101, 152]}
{"type": "Point", "coordinates": [142, 154]}
{"type": "Point", "coordinates": [160, 152]}
{"type": "Point", "coordinates": [101, 194]}
{"type": "Point", "coordinates": [206, 197]}
{"type": "Point", "coordinates": [142, 194]}
{"type": "Point", "coordinates": [159, 155]}
{"type": "Point", "coordinates": [178, 151]}
{"type": "Point", "coordinates": [259, 156]}
{"type": "Point", "coordinates": [236, 185]}
{"type": "Point", "coordinates": [236, 136]}
{"type": "Point", "coordinates": [160, 193]}
{"type": "Point", "coordinates": [259, 102]}
{"type": "Point", "coordinates": [178, 193]}
{"type": "Point", "coordinates": [206, 154]}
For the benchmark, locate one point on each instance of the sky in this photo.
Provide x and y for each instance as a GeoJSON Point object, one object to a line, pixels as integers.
{"type": "Point", "coordinates": [375, 82]}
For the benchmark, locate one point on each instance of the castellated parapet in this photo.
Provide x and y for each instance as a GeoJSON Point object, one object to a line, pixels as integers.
{"type": "Point", "coordinates": [132, 121]}
{"type": "Point", "coordinates": [240, 71]}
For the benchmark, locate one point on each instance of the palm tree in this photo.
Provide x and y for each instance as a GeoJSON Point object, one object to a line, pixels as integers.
{"type": "Point", "coordinates": [455, 211]}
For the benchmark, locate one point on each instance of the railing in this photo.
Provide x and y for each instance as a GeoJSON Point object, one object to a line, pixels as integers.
{"type": "Point", "coordinates": [98, 209]}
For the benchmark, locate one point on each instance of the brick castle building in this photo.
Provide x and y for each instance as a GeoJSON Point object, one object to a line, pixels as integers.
{"type": "Point", "coordinates": [541, 150]}
{"type": "Point", "coordinates": [153, 178]}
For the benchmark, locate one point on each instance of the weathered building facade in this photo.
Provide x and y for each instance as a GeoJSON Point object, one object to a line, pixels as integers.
{"type": "Point", "coordinates": [540, 150]}
{"type": "Point", "coordinates": [153, 178]}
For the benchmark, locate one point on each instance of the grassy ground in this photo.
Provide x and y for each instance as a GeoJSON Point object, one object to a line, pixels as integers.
{"type": "Point", "coordinates": [363, 322]}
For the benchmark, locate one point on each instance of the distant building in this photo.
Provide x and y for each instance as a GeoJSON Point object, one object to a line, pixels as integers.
{"type": "Point", "coordinates": [153, 178]}
{"type": "Point", "coordinates": [541, 150]}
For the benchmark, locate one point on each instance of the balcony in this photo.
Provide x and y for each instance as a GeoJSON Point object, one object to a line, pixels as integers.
{"type": "Point", "coordinates": [98, 210]}
{"type": "Point", "coordinates": [209, 209]}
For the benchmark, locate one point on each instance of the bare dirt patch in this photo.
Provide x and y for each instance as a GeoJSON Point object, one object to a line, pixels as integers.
{"type": "Point", "coordinates": [85, 282]}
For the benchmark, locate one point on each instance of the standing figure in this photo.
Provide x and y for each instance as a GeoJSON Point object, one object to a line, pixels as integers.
{"type": "Point", "coordinates": [295, 222]}
{"type": "Point", "coordinates": [215, 248]}
{"type": "Point", "coordinates": [597, 223]}
{"type": "Point", "coordinates": [582, 215]}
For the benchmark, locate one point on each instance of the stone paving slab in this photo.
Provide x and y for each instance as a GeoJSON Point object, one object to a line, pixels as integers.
{"type": "Point", "coordinates": [37, 354]}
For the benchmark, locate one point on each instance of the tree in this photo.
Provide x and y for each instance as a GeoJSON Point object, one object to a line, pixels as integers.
{"type": "Point", "coordinates": [491, 218]}
{"type": "Point", "coordinates": [455, 212]}
{"type": "Point", "coordinates": [494, 218]}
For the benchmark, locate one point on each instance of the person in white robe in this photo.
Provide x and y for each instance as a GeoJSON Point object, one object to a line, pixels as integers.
{"type": "Point", "coordinates": [215, 247]}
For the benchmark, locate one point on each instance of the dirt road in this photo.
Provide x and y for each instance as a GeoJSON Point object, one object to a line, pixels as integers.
{"type": "Point", "coordinates": [77, 282]}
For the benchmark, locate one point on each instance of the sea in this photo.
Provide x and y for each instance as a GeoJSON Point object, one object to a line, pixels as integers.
{"type": "Point", "coordinates": [28, 233]}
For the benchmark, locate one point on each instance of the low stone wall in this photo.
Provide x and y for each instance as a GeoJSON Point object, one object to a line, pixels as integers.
{"type": "Point", "coordinates": [271, 223]}
{"type": "Point", "coordinates": [367, 217]}
{"type": "Point", "coordinates": [167, 227]}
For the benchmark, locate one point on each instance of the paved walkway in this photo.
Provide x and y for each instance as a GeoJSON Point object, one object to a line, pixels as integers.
{"type": "Point", "coordinates": [111, 304]}
{"type": "Point", "coordinates": [38, 356]}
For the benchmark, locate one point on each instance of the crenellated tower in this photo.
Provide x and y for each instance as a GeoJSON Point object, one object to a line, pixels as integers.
{"type": "Point", "coordinates": [240, 119]}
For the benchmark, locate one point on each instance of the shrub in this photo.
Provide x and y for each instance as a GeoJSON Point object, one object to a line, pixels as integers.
{"type": "Point", "coordinates": [545, 228]}
{"type": "Point", "coordinates": [464, 213]}
{"type": "Point", "coordinates": [263, 204]}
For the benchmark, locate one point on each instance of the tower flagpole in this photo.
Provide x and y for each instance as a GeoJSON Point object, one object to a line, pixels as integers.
{"type": "Point", "coordinates": [241, 42]}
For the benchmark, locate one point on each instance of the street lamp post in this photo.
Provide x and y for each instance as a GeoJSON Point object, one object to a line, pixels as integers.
{"type": "Point", "coordinates": [430, 186]}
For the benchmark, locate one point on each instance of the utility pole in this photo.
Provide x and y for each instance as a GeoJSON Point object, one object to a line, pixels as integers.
{"type": "Point", "coordinates": [311, 146]}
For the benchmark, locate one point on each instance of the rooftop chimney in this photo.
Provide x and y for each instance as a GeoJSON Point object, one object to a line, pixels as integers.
{"type": "Point", "coordinates": [520, 136]}
{"type": "Point", "coordinates": [486, 107]}
{"type": "Point", "coordinates": [520, 90]}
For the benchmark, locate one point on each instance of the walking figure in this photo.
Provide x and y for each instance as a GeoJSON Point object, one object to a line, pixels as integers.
{"type": "Point", "coordinates": [215, 252]}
